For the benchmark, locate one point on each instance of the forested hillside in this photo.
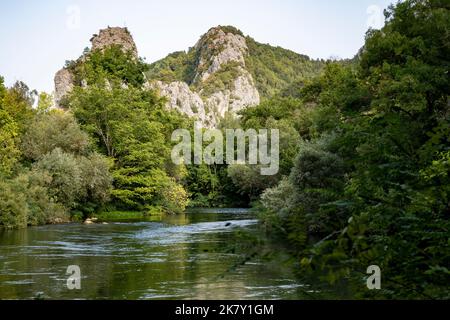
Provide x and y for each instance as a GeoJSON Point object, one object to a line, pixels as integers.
{"type": "Point", "coordinates": [272, 68]}
{"type": "Point", "coordinates": [364, 174]}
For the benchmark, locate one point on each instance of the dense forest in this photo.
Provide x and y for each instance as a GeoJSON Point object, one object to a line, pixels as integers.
{"type": "Point", "coordinates": [364, 153]}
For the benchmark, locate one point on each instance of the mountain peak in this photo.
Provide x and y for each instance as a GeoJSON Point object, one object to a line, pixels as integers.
{"type": "Point", "coordinates": [224, 72]}
{"type": "Point", "coordinates": [218, 47]}
{"type": "Point", "coordinates": [114, 36]}
{"type": "Point", "coordinates": [226, 29]}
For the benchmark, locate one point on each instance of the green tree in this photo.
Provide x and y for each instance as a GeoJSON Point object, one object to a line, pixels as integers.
{"type": "Point", "coordinates": [65, 184]}
{"type": "Point", "coordinates": [9, 140]}
{"type": "Point", "coordinates": [110, 65]}
{"type": "Point", "coordinates": [77, 182]}
{"type": "Point", "coordinates": [378, 194]}
{"type": "Point", "coordinates": [55, 129]}
{"type": "Point", "coordinates": [132, 127]}
{"type": "Point", "coordinates": [17, 102]}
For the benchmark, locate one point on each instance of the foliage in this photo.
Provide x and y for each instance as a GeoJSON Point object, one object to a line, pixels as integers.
{"type": "Point", "coordinates": [249, 181]}
{"type": "Point", "coordinates": [221, 80]}
{"type": "Point", "coordinates": [24, 201]}
{"type": "Point", "coordinates": [132, 128]}
{"type": "Point", "coordinates": [211, 186]}
{"type": "Point", "coordinates": [278, 198]}
{"type": "Point", "coordinates": [45, 103]}
{"type": "Point", "coordinates": [55, 129]}
{"type": "Point", "coordinates": [108, 65]}
{"type": "Point", "coordinates": [77, 182]}
{"type": "Point", "coordinates": [377, 192]}
{"type": "Point", "coordinates": [96, 179]}
{"type": "Point", "coordinates": [275, 69]}
{"type": "Point", "coordinates": [173, 197]}
{"type": "Point", "coordinates": [15, 111]}
{"type": "Point", "coordinates": [318, 179]}
{"type": "Point", "coordinates": [17, 101]}
{"type": "Point", "coordinates": [65, 183]}
{"type": "Point", "coordinates": [9, 139]}
{"type": "Point", "coordinates": [13, 204]}
{"type": "Point", "coordinates": [276, 113]}
{"type": "Point", "coordinates": [177, 66]}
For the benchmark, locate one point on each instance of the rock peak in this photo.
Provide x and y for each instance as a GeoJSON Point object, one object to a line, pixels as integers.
{"type": "Point", "coordinates": [225, 29]}
{"type": "Point", "coordinates": [64, 80]}
{"type": "Point", "coordinates": [221, 82]}
{"type": "Point", "coordinates": [114, 36]}
{"type": "Point", "coordinates": [220, 46]}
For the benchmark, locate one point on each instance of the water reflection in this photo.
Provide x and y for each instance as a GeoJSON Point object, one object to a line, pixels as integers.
{"type": "Point", "coordinates": [201, 254]}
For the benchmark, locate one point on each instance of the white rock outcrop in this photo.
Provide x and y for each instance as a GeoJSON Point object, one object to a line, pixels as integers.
{"type": "Point", "coordinates": [216, 49]}
{"type": "Point", "coordinates": [181, 98]}
{"type": "Point", "coordinates": [219, 48]}
{"type": "Point", "coordinates": [114, 36]}
{"type": "Point", "coordinates": [64, 81]}
{"type": "Point", "coordinates": [63, 84]}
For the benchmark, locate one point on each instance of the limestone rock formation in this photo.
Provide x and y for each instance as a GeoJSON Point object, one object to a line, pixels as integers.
{"type": "Point", "coordinates": [219, 51]}
{"type": "Point", "coordinates": [181, 98]}
{"type": "Point", "coordinates": [64, 80]}
{"type": "Point", "coordinates": [63, 84]}
{"type": "Point", "coordinates": [114, 36]}
{"type": "Point", "coordinates": [219, 84]}
{"type": "Point", "coordinates": [218, 48]}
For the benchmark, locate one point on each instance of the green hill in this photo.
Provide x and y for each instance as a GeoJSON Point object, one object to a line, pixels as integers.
{"type": "Point", "coordinates": [273, 68]}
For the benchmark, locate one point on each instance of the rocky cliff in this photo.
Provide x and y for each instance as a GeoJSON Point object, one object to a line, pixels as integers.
{"type": "Point", "coordinates": [224, 72]}
{"type": "Point", "coordinates": [63, 84]}
{"type": "Point", "coordinates": [64, 79]}
{"type": "Point", "coordinates": [114, 36]}
{"type": "Point", "coordinates": [219, 82]}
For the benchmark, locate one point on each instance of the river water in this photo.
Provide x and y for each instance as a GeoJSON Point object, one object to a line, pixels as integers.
{"type": "Point", "coordinates": [203, 254]}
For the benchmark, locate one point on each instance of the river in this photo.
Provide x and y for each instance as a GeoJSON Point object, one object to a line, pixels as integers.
{"type": "Point", "coordinates": [202, 254]}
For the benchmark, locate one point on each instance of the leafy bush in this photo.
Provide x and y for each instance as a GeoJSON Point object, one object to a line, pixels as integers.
{"type": "Point", "coordinates": [108, 65]}
{"type": "Point", "coordinates": [377, 192]}
{"type": "Point", "coordinates": [63, 169]}
{"type": "Point", "coordinates": [56, 129]}
{"type": "Point", "coordinates": [13, 204]}
{"type": "Point", "coordinates": [25, 200]}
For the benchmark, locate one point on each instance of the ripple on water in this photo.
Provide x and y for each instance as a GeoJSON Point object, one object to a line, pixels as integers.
{"type": "Point", "coordinates": [142, 260]}
{"type": "Point", "coordinates": [176, 234]}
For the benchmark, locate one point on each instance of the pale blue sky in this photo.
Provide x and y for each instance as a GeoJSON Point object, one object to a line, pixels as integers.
{"type": "Point", "coordinates": [38, 36]}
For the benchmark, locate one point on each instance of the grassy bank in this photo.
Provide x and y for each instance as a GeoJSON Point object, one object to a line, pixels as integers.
{"type": "Point", "coordinates": [126, 215]}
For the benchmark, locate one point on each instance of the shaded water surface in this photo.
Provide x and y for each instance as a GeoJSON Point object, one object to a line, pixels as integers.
{"type": "Point", "coordinates": [203, 254]}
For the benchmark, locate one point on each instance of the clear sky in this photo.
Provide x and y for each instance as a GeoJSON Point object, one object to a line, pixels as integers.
{"type": "Point", "coordinates": [37, 37]}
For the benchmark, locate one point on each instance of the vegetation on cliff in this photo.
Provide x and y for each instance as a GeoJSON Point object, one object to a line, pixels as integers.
{"type": "Point", "coordinates": [272, 68]}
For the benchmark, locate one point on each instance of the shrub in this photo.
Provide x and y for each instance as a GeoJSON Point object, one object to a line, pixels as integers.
{"type": "Point", "coordinates": [52, 130]}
